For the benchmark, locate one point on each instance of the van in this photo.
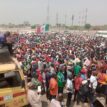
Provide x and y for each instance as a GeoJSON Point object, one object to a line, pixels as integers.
{"type": "Point", "coordinates": [12, 83]}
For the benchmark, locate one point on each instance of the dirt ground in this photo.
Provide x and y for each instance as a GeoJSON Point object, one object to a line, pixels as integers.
{"type": "Point", "coordinates": [45, 102]}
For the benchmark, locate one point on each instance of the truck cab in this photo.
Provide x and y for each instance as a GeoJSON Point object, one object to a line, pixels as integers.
{"type": "Point", "coordinates": [12, 83]}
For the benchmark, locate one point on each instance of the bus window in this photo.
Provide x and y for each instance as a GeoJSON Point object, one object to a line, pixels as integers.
{"type": "Point", "coordinates": [10, 79]}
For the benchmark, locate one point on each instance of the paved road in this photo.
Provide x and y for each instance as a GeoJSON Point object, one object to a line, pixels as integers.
{"type": "Point", "coordinates": [46, 102]}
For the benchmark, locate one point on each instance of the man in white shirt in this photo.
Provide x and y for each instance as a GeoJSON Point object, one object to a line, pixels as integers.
{"type": "Point", "coordinates": [34, 97]}
{"type": "Point", "coordinates": [93, 80]}
{"type": "Point", "coordinates": [56, 102]}
{"type": "Point", "coordinates": [69, 88]}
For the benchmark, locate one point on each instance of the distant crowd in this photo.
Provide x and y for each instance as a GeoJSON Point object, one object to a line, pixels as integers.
{"type": "Point", "coordinates": [74, 64]}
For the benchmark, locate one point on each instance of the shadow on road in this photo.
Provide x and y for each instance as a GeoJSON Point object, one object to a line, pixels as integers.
{"type": "Point", "coordinates": [44, 104]}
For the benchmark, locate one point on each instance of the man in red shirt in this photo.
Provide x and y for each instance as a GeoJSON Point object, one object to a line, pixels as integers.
{"type": "Point", "coordinates": [53, 86]}
{"type": "Point", "coordinates": [77, 84]}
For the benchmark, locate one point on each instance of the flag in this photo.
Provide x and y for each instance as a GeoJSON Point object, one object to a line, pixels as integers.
{"type": "Point", "coordinates": [45, 28]}
{"type": "Point", "coordinates": [38, 29]}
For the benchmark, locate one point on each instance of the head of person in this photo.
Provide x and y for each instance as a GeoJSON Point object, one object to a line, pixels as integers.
{"type": "Point", "coordinates": [31, 85]}
{"type": "Point", "coordinates": [7, 33]}
{"type": "Point", "coordinates": [52, 65]}
{"type": "Point", "coordinates": [53, 75]}
{"type": "Point", "coordinates": [36, 76]}
{"type": "Point", "coordinates": [94, 73]}
{"type": "Point", "coordinates": [79, 74]}
{"type": "Point", "coordinates": [103, 71]}
{"type": "Point", "coordinates": [60, 97]}
{"type": "Point", "coordinates": [70, 77]}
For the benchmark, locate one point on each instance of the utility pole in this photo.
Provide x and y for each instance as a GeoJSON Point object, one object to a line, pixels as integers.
{"type": "Point", "coordinates": [86, 11]}
{"type": "Point", "coordinates": [48, 10]}
{"type": "Point", "coordinates": [72, 20]}
{"type": "Point", "coordinates": [79, 20]}
{"type": "Point", "coordinates": [82, 21]}
{"type": "Point", "coordinates": [65, 21]}
{"type": "Point", "coordinates": [57, 19]}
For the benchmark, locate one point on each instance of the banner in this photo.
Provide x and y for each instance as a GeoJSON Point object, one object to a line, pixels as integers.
{"type": "Point", "coordinates": [42, 29]}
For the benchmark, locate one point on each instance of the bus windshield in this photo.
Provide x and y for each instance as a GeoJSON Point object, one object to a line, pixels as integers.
{"type": "Point", "coordinates": [10, 79]}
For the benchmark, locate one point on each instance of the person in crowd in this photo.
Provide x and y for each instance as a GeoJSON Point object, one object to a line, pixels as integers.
{"type": "Point", "coordinates": [77, 69]}
{"type": "Point", "coordinates": [57, 102]}
{"type": "Point", "coordinates": [84, 73]}
{"type": "Point", "coordinates": [65, 55]}
{"type": "Point", "coordinates": [60, 78]}
{"type": "Point", "coordinates": [52, 69]}
{"type": "Point", "coordinates": [9, 41]}
{"type": "Point", "coordinates": [102, 84]}
{"type": "Point", "coordinates": [53, 86]}
{"type": "Point", "coordinates": [93, 80]}
{"type": "Point", "coordinates": [102, 81]}
{"type": "Point", "coordinates": [69, 89]}
{"type": "Point", "coordinates": [34, 97]}
{"type": "Point", "coordinates": [47, 78]}
{"type": "Point", "coordinates": [77, 84]}
{"type": "Point", "coordinates": [86, 94]}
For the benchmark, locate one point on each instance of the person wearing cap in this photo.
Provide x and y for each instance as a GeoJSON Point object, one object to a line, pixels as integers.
{"type": "Point", "coordinates": [34, 96]}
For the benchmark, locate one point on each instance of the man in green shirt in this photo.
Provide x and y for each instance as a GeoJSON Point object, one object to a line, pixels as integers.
{"type": "Point", "coordinates": [77, 69]}
{"type": "Point", "coordinates": [60, 78]}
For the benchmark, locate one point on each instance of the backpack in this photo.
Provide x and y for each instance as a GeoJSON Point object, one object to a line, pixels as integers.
{"type": "Point", "coordinates": [84, 89]}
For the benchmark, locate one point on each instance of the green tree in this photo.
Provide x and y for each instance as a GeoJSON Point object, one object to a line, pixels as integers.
{"type": "Point", "coordinates": [33, 26]}
{"type": "Point", "coordinates": [87, 26]}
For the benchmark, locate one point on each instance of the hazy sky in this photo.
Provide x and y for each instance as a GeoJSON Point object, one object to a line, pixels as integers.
{"type": "Point", "coordinates": [35, 11]}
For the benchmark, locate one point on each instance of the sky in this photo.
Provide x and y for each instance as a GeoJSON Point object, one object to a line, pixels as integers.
{"type": "Point", "coordinates": [35, 11]}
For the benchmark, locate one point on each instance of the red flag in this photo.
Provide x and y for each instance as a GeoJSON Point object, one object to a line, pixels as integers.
{"type": "Point", "coordinates": [38, 29]}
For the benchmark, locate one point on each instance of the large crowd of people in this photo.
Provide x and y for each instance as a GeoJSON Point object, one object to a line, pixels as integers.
{"type": "Point", "coordinates": [62, 64]}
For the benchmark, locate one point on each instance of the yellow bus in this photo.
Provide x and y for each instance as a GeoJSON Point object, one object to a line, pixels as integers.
{"type": "Point", "coordinates": [12, 83]}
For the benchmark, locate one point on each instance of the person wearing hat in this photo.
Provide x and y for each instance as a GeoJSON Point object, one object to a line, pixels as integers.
{"type": "Point", "coordinates": [34, 95]}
